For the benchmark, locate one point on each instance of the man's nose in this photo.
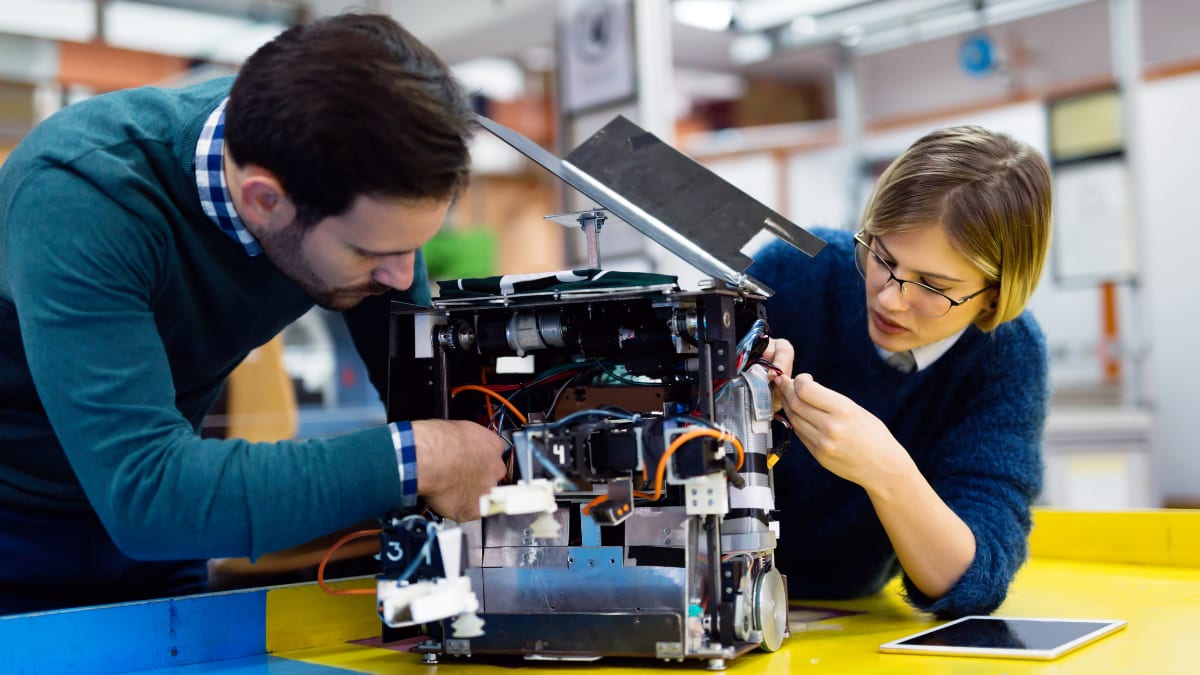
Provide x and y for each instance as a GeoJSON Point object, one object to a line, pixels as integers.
{"type": "Point", "coordinates": [395, 272]}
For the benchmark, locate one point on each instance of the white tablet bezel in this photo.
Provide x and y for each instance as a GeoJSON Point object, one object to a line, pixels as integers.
{"type": "Point", "coordinates": [1108, 626]}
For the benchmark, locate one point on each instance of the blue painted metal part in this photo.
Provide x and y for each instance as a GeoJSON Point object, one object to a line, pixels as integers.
{"type": "Point", "coordinates": [135, 636]}
{"type": "Point", "coordinates": [252, 665]}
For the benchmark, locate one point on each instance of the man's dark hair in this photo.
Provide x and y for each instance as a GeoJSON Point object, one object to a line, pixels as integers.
{"type": "Point", "coordinates": [350, 105]}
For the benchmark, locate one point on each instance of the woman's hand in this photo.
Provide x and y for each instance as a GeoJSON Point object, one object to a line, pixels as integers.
{"type": "Point", "coordinates": [781, 353]}
{"type": "Point", "coordinates": [933, 544]}
{"type": "Point", "coordinates": [845, 438]}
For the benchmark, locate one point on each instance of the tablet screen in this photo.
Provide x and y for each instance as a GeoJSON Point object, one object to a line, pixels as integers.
{"type": "Point", "coordinates": [1001, 636]}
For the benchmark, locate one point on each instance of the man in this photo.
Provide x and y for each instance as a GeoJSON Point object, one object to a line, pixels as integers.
{"type": "Point", "coordinates": [149, 240]}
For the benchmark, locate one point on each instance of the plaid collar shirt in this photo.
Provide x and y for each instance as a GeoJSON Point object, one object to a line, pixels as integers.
{"type": "Point", "coordinates": [210, 181]}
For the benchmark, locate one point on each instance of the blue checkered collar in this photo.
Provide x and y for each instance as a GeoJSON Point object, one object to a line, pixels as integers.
{"type": "Point", "coordinates": [210, 181]}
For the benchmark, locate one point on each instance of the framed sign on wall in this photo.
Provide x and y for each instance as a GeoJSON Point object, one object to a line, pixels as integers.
{"type": "Point", "coordinates": [1093, 214]}
{"type": "Point", "coordinates": [596, 53]}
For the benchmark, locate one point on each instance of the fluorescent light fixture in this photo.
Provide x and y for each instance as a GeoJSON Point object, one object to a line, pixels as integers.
{"type": "Point", "coordinates": [802, 26]}
{"type": "Point", "coordinates": [495, 78]}
{"type": "Point", "coordinates": [238, 46]}
{"type": "Point", "coordinates": [51, 19]}
{"type": "Point", "coordinates": [859, 21]}
{"type": "Point", "coordinates": [852, 35]}
{"type": "Point", "coordinates": [935, 25]}
{"type": "Point", "coordinates": [750, 48]}
{"type": "Point", "coordinates": [754, 15]}
{"type": "Point", "coordinates": [714, 15]}
{"type": "Point", "coordinates": [182, 32]}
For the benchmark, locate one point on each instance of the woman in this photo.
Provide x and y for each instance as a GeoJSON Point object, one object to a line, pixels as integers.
{"type": "Point", "coordinates": [921, 409]}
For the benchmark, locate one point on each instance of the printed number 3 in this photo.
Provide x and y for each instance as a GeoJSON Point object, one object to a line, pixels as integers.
{"type": "Point", "coordinates": [395, 553]}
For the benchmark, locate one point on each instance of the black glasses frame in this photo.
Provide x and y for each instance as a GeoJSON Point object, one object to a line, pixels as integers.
{"type": "Point", "coordinates": [859, 241]}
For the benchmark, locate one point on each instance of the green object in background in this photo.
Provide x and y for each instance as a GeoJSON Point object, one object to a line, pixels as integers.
{"type": "Point", "coordinates": [460, 254]}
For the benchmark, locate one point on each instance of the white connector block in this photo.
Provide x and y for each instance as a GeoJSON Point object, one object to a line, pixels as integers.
{"type": "Point", "coordinates": [706, 495]}
{"type": "Point", "coordinates": [532, 496]}
{"type": "Point", "coordinates": [406, 604]}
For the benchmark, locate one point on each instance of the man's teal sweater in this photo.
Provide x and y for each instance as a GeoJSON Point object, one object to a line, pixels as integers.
{"type": "Point", "coordinates": [972, 421]}
{"type": "Point", "coordinates": [123, 308]}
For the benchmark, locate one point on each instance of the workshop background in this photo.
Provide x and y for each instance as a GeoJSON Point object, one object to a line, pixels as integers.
{"type": "Point", "coordinates": [800, 103]}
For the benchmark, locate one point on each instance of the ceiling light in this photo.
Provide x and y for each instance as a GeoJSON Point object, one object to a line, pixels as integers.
{"type": "Point", "coordinates": [802, 26]}
{"type": "Point", "coordinates": [715, 15]}
{"type": "Point", "coordinates": [750, 48]}
{"type": "Point", "coordinates": [852, 35]}
{"type": "Point", "coordinates": [753, 15]}
{"type": "Point", "coordinates": [52, 19]}
{"type": "Point", "coordinates": [181, 32]}
{"type": "Point", "coordinates": [494, 77]}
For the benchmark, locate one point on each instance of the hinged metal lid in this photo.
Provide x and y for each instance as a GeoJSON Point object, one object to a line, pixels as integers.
{"type": "Point", "coordinates": [668, 197]}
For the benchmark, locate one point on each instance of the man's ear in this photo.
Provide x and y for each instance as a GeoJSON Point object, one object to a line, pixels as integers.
{"type": "Point", "coordinates": [263, 201]}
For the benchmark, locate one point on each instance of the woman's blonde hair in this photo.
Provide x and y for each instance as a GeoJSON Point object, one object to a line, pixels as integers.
{"type": "Point", "coordinates": [991, 195]}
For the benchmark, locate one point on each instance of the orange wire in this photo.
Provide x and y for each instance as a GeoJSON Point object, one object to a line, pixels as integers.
{"type": "Point", "coordinates": [678, 443]}
{"type": "Point", "coordinates": [508, 466]}
{"type": "Point", "coordinates": [741, 455]}
{"type": "Point", "coordinates": [486, 400]}
{"type": "Point", "coordinates": [741, 452]}
{"type": "Point", "coordinates": [475, 387]}
{"type": "Point", "coordinates": [329, 554]}
{"type": "Point", "coordinates": [587, 508]}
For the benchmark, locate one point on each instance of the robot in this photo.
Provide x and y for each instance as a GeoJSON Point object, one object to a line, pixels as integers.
{"type": "Point", "coordinates": [637, 518]}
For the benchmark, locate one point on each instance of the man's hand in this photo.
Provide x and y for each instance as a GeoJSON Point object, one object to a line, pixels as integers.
{"type": "Point", "coordinates": [457, 462]}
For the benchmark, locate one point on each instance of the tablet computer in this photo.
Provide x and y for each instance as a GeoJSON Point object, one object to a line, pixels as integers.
{"type": "Point", "coordinates": [1005, 637]}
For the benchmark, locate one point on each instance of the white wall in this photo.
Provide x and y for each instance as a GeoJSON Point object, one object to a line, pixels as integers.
{"type": "Point", "coordinates": [817, 184]}
{"type": "Point", "coordinates": [1171, 235]}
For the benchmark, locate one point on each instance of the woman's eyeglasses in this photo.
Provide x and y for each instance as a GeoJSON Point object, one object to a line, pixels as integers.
{"type": "Point", "coordinates": [924, 300]}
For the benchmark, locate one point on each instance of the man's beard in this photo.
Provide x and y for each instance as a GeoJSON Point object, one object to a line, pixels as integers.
{"type": "Point", "coordinates": [284, 249]}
